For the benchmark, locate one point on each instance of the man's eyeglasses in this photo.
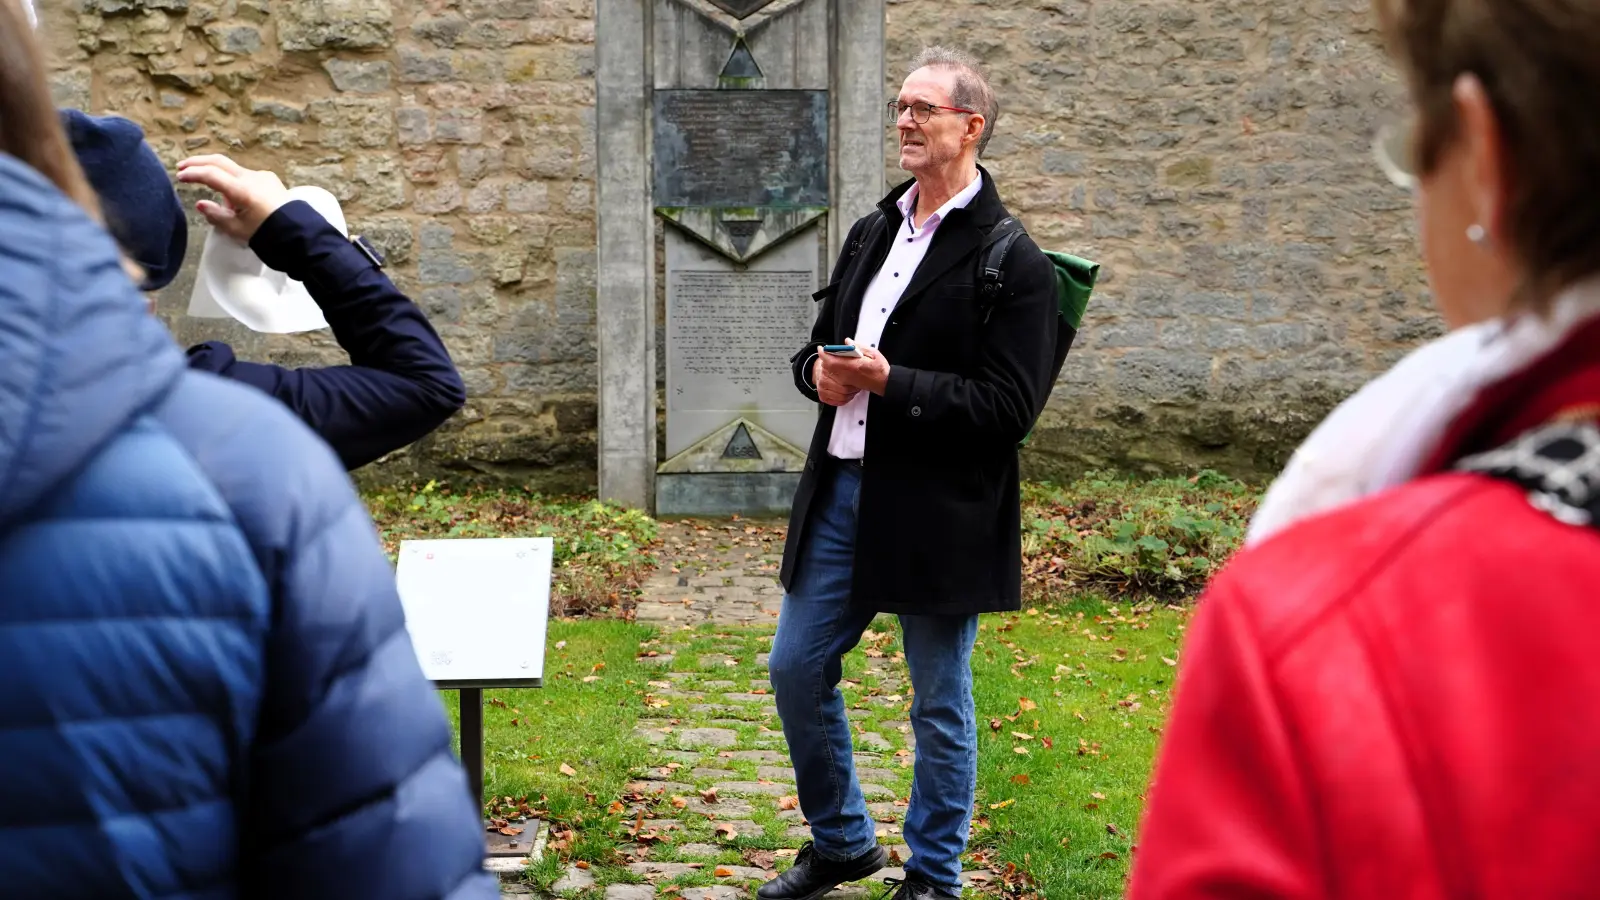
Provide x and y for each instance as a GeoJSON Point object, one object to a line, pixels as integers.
{"type": "Point", "coordinates": [1394, 147]}
{"type": "Point", "coordinates": [921, 112]}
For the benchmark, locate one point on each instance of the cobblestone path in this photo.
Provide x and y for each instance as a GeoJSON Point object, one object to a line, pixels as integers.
{"type": "Point", "coordinates": [720, 768]}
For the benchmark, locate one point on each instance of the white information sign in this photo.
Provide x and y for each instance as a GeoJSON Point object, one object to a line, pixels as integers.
{"type": "Point", "coordinates": [477, 608]}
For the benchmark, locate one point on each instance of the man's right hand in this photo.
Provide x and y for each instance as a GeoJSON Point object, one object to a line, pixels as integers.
{"type": "Point", "coordinates": [829, 389]}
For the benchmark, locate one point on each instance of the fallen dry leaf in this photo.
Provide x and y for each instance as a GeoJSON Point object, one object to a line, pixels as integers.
{"type": "Point", "coordinates": [509, 831]}
{"type": "Point", "coordinates": [727, 831]}
{"type": "Point", "coordinates": [1020, 751]}
{"type": "Point", "coordinates": [679, 802]}
{"type": "Point", "coordinates": [1027, 704]}
{"type": "Point", "coordinates": [568, 770]}
{"type": "Point", "coordinates": [1021, 737]}
{"type": "Point", "coordinates": [561, 645]}
{"type": "Point", "coordinates": [1020, 779]}
{"type": "Point", "coordinates": [788, 802]}
{"type": "Point", "coordinates": [722, 872]}
{"type": "Point", "coordinates": [894, 857]}
{"type": "Point", "coordinates": [582, 864]}
{"type": "Point", "coordinates": [1002, 804]}
{"type": "Point", "coordinates": [709, 795]}
{"type": "Point", "coordinates": [1098, 796]}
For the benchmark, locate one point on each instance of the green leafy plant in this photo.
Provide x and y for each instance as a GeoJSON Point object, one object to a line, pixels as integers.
{"type": "Point", "coordinates": [1163, 537]}
{"type": "Point", "coordinates": [603, 552]}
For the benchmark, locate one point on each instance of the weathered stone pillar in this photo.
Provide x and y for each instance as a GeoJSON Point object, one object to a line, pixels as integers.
{"type": "Point", "coordinates": [625, 284]}
{"type": "Point", "coordinates": [755, 129]}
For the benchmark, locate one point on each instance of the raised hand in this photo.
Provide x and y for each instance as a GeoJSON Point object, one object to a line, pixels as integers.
{"type": "Point", "coordinates": [248, 196]}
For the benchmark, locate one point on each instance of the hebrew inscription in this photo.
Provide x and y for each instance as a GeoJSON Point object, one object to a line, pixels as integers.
{"type": "Point", "coordinates": [741, 148]}
{"type": "Point", "coordinates": [738, 328]}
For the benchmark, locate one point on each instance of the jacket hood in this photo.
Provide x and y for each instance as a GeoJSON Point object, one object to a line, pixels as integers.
{"type": "Point", "coordinates": [80, 355]}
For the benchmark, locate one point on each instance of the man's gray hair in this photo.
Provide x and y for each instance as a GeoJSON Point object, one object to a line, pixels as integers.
{"type": "Point", "coordinates": [972, 88]}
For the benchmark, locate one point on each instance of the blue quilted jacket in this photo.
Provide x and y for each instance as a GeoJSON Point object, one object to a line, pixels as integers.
{"type": "Point", "coordinates": [206, 686]}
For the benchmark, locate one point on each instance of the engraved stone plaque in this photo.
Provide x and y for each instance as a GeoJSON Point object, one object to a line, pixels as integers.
{"type": "Point", "coordinates": [741, 148]}
{"type": "Point", "coordinates": [730, 335]}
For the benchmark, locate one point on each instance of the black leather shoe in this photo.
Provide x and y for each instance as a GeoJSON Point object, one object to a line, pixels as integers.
{"type": "Point", "coordinates": [914, 888]}
{"type": "Point", "coordinates": [812, 877]}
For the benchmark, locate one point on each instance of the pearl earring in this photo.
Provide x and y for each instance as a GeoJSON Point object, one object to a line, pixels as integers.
{"type": "Point", "coordinates": [1476, 234]}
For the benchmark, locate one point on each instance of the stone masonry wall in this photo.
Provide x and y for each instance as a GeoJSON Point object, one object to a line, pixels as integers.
{"type": "Point", "coordinates": [1211, 154]}
{"type": "Point", "coordinates": [1214, 156]}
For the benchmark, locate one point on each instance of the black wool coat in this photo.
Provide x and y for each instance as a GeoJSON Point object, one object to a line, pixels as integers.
{"type": "Point", "coordinates": [939, 529]}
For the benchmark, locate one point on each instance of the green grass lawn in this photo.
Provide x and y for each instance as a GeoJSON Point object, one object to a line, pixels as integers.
{"type": "Point", "coordinates": [1071, 695]}
{"type": "Point", "coordinates": [1083, 689]}
{"type": "Point", "coordinates": [1070, 703]}
{"type": "Point", "coordinates": [560, 749]}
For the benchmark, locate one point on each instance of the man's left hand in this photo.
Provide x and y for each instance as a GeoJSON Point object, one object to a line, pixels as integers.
{"type": "Point", "coordinates": [869, 373]}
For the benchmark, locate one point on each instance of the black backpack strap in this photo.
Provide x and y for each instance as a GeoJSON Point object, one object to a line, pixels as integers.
{"type": "Point", "coordinates": [992, 266]}
{"type": "Point", "coordinates": [875, 220]}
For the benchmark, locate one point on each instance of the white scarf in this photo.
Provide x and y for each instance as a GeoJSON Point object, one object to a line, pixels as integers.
{"type": "Point", "coordinates": [1382, 434]}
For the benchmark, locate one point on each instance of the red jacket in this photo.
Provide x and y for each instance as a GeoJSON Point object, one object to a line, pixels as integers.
{"type": "Point", "coordinates": [1397, 699]}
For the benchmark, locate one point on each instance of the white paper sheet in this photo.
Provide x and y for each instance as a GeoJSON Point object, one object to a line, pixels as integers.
{"type": "Point", "coordinates": [233, 283]}
{"type": "Point", "coordinates": [477, 608]}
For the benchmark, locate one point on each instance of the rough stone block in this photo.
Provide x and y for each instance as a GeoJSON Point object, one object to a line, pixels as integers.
{"type": "Point", "coordinates": [359, 76]}
{"type": "Point", "coordinates": [749, 788]}
{"type": "Point", "coordinates": [575, 879]}
{"type": "Point", "coordinates": [707, 737]}
{"type": "Point", "coordinates": [346, 123]}
{"type": "Point", "coordinates": [240, 39]}
{"type": "Point", "coordinates": [335, 24]}
{"type": "Point", "coordinates": [762, 756]}
{"type": "Point", "coordinates": [418, 67]}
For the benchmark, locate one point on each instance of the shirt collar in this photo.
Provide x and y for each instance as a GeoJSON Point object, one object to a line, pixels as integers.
{"type": "Point", "coordinates": [907, 203]}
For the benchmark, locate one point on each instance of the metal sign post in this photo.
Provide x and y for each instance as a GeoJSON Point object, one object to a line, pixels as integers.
{"type": "Point", "coordinates": [477, 611]}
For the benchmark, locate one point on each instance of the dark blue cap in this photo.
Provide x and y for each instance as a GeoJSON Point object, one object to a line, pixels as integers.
{"type": "Point", "coordinates": [141, 208]}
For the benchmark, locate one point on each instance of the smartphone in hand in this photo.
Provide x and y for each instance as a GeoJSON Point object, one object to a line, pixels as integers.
{"type": "Point", "coordinates": [849, 350]}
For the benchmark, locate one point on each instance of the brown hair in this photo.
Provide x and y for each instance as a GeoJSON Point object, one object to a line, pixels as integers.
{"type": "Point", "coordinates": [972, 88]}
{"type": "Point", "coordinates": [1539, 63]}
{"type": "Point", "coordinates": [30, 128]}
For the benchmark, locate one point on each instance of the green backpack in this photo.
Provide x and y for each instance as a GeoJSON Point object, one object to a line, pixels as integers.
{"type": "Point", "coordinates": [1075, 281]}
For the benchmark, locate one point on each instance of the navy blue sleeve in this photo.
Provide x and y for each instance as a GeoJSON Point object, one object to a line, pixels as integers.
{"type": "Point", "coordinates": [401, 383]}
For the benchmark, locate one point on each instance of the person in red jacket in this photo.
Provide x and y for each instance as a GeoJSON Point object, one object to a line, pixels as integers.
{"type": "Point", "coordinates": [1391, 691]}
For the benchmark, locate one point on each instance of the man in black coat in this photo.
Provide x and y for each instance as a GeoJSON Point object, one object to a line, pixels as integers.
{"type": "Point", "coordinates": [910, 499]}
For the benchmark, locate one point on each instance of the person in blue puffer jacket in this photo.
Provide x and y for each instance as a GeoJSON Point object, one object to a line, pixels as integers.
{"type": "Point", "coordinates": [207, 689]}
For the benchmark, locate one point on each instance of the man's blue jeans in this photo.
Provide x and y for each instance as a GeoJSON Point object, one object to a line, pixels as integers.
{"type": "Point", "coordinates": [817, 627]}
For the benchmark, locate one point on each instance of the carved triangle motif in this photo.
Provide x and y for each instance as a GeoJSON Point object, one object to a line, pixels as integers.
{"type": "Point", "coordinates": [741, 445]}
{"type": "Point", "coordinates": [741, 9]}
{"type": "Point", "coordinates": [741, 63]}
{"type": "Point", "coordinates": [741, 233]}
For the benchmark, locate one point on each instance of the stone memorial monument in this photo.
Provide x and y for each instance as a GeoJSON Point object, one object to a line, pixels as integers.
{"type": "Point", "coordinates": [754, 128]}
